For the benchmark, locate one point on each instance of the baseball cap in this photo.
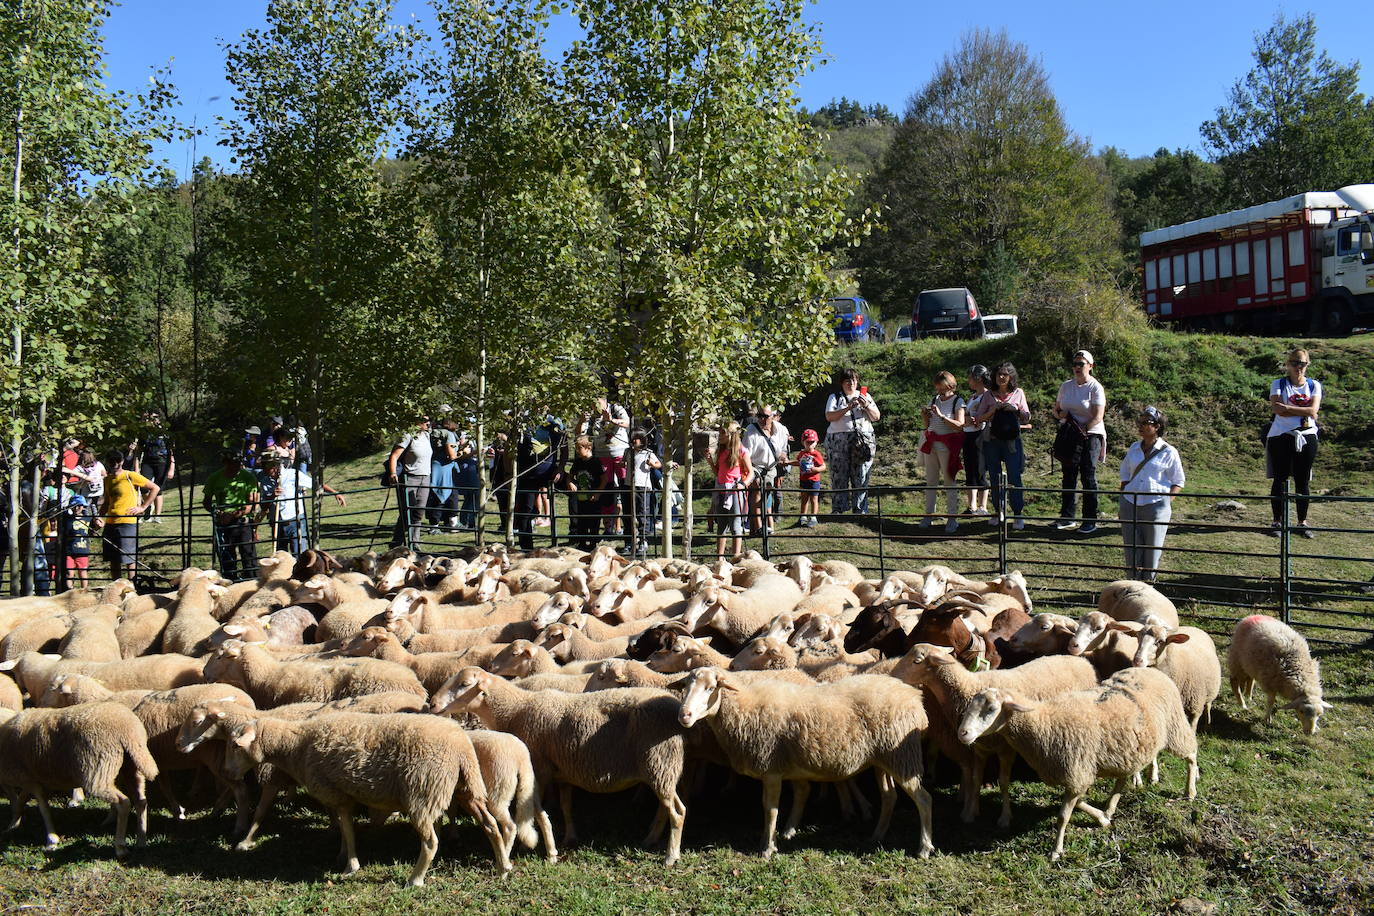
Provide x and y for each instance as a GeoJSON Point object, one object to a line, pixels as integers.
{"type": "Point", "coordinates": [1085, 356]}
{"type": "Point", "coordinates": [810, 436]}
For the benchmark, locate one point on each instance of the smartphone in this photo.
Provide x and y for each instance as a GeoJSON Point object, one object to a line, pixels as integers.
{"type": "Point", "coordinates": [863, 389]}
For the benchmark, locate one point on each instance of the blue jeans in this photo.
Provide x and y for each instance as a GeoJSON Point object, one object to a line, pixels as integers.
{"type": "Point", "coordinates": [1004, 462]}
{"type": "Point", "coordinates": [291, 536]}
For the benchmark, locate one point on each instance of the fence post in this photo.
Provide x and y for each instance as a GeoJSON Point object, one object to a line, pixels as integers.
{"type": "Point", "coordinates": [882, 543]}
{"type": "Point", "coordinates": [1001, 518]}
{"type": "Point", "coordinates": [1285, 559]}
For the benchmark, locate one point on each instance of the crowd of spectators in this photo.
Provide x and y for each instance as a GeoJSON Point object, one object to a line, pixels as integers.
{"type": "Point", "coordinates": [612, 473]}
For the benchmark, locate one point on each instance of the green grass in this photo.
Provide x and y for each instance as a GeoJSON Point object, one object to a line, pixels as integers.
{"type": "Point", "coordinates": [1281, 825]}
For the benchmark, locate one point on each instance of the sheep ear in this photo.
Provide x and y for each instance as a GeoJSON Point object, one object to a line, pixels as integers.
{"type": "Point", "coordinates": [727, 685]}
{"type": "Point", "coordinates": [940, 658]}
{"type": "Point", "coordinates": [235, 629]}
{"type": "Point", "coordinates": [245, 737]}
{"type": "Point", "coordinates": [1017, 705]}
{"type": "Point", "coordinates": [1178, 637]}
{"type": "Point", "coordinates": [704, 641]}
{"type": "Point", "coordinates": [9, 665]}
{"type": "Point", "coordinates": [1326, 705]}
{"type": "Point", "coordinates": [1120, 627]}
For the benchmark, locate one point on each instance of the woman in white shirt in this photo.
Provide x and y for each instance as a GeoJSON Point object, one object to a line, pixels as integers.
{"type": "Point", "coordinates": [941, 448]}
{"type": "Point", "coordinates": [849, 411]}
{"type": "Point", "coordinates": [1291, 446]}
{"type": "Point", "coordinates": [1082, 402]}
{"type": "Point", "coordinates": [975, 475]}
{"type": "Point", "coordinates": [1151, 474]}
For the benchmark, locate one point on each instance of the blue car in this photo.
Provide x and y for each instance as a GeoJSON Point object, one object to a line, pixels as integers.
{"type": "Point", "coordinates": [856, 321]}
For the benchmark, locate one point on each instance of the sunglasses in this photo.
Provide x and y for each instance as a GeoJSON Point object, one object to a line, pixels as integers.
{"type": "Point", "coordinates": [1297, 363]}
{"type": "Point", "coordinates": [1079, 364]}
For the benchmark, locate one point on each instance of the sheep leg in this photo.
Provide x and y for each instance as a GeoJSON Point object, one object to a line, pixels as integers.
{"type": "Point", "coordinates": [849, 793]}
{"type": "Point", "coordinates": [541, 818]}
{"type": "Point", "coordinates": [18, 798]}
{"type": "Point", "coordinates": [801, 791]}
{"type": "Point", "coordinates": [565, 801]}
{"type": "Point", "coordinates": [919, 795]}
{"type": "Point", "coordinates": [344, 818]}
{"type": "Point", "coordinates": [429, 845]}
{"type": "Point", "coordinates": [772, 791]}
{"type": "Point", "coordinates": [971, 785]}
{"type": "Point", "coordinates": [1103, 819]}
{"type": "Point", "coordinates": [676, 811]}
{"type": "Point", "coordinates": [1270, 701]}
{"type": "Point", "coordinates": [1154, 770]}
{"type": "Point", "coordinates": [1071, 800]}
{"type": "Point", "coordinates": [1238, 687]}
{"type": "Point", "coordinates": [1112, 802]}
{"type": "Point", "coordinates": [888, 793]}
{"type": "Point", "coordinates": [269, 795]}
{"type": "Point", "coordinates": [178, 812]}
{"type": "Point", "coordinates": [1005, 762]}
{"type": "Point", "coordinates": [656, 828]}
{"type": "Point", "coordinates": [78, 796]}
{"type": "Point", "coordinates": [52, 839]}
{"type": "Point", "coordinates": [140, 808]}
{"type": "Point", "coordinates": [121, 806]}
{"type": "Point", "coordinates": [492, 828]}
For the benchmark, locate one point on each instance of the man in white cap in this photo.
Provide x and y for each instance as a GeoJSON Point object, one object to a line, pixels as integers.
{"type": "Point", "coordinates": [1082, 440]}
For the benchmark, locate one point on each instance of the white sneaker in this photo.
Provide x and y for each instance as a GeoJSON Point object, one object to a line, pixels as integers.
{"type": "Point", "coordinates": [951, 526]}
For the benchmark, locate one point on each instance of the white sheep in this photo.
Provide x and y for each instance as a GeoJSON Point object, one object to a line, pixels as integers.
{"type": "Point", "coordinates": [140, 632]}
{"type": "Point", "coordinates": [33, 671]}
{"type": "Point", "coordinates": [739, 615]}
{"type": "Point", "coordinates": [934, 668]}
{"type": "Point", "coordinates": [43, 631]}
{"type": "Point", "coordinates": [938, 580]}
{"type": "Point", "coordinates": [566, 644]}
{"type": "Point", "coordinates": [1044, 634]}
{"type": "Point", "coordinates": [1268, 651]}
{"type": "Point", "coordinates": [192, 622]}
{"type": "Point", "coordinates": [1189, 657]}
{"type": "Point", "coordinates": [418, 765]}
{"type": "Point", "coordinates": [275, 683]}
{"type": "Point", "coordinates": [604, 741]}
{"type": "Point", "coordinates": [512, 787]}
{"type": "Point", "coordinates": [1072, 740]}
{"type": "Point", "coordinates": [1109, 644]}
{"type": "Point", "coordinates": [85, 747]}
{"type": "Point", "coordinates": [92, 636]}
{"type": "Point", "coordinates": [775, 731]}
{"type": "Point", "coordinates": [1133, 600]}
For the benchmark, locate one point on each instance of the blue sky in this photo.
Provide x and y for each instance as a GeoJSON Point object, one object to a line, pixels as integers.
{"type": "Point", "coordinates": [1134, 76]}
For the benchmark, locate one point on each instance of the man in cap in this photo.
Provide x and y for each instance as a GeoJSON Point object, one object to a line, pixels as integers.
{"type": "Point", "coordinates": [230, 496]}
{"type": "Point", "coordinates": [282, 492]}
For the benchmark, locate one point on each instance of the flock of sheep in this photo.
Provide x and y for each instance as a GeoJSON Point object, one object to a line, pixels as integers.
{"type": "Point", "coordinates": [433, 686]}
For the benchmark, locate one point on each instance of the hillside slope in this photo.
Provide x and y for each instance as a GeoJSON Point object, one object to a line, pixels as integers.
{"type": "Point", "coordinates": [1213, 388]}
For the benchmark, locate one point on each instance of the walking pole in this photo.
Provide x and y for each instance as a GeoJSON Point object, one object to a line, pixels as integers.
{"type": "Point", "coordinates": [386, 500]}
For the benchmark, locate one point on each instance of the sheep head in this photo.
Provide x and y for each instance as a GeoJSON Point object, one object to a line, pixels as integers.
{"type": "Point", "coordinates": [612, 599]}
{"type": "Point", "coordinates": [516, 659]}
{"type": "Point", "coordinates": [1044, 634]}
{"type": "Point", "coordinates": [800, 570]}
{"type": "Point", "coordinates": [399, 573]}
{"type": "Point", "coordinates": [703, 695]}
{"type": "Point", "coordinates": [368, 641]}
{"type": "Point", "coordinates": [781, 627]}
{"type": "Point", "coordinates": [764, 654]}
{"type": "Point", "coordinates": [1091, 630]}
{"type": "Point", "coordinates": [1153, 639]}
{"type": "Point", "coordinates": [574, 582]}
{"type": "Point", "coordinates": [815, 630]}
{"type": "Point", "coordinates": [705, 608]}
{"type": "Point", "coordinates": [242, 750]}
{"type": "Point", "coordinates": [921, 661]}
{"type": "Point", "coordinates": [407, 604]}
{"type": "Point", "coordinates": [318, 589]}
{"type": "Point", "coordinates": [1014, 584]}
{"type": "Point", "coordinates": [555, 640]}
{"type": "Point", "coordinates": [873, 624]}
{"type": "Point", "coordinates": [934, 584]}
{"type": "Point", "coordinates": [608, 675]}
{"type": "Point", "coordinates": [988, 711]}
{"type": "Point", "coordinates": [206, 721]}
{"type": "Point", "coordinates": [1309, 709]}
{"type": "Point", "coordinates": [466, 691]}
{"type": "Point", "coordinates": [575, 619]}
{"type": "Point", "coordinates": [682, 653]}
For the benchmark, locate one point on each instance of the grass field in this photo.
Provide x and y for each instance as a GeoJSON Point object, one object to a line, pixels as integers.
{"type": "Point", "coordinates": [1283, 824]}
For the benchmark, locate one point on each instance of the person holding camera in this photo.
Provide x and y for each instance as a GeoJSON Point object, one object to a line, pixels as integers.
{"type": "Point", "coordinates": [1005, 415]}
{"type": "Point", "coordinates": [850, 444]}
{"type": "Point", "coordinates": [609, 430]}
{"type": "Point", "coordinates": [942, 446]}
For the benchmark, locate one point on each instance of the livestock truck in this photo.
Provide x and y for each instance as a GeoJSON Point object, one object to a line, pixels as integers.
{"type": "Point", "coordinates": [1301, 264]}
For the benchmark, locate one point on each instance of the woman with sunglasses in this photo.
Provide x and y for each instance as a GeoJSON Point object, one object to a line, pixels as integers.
{"type": "Point", "coordinates": [1080, 407]}
{"type": "Point", "coordinates": [1151, 474]}
{"type": "Point", "coordinates": [1290, 449]}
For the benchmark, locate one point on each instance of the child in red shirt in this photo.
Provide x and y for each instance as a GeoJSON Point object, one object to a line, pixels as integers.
{"type": "Point", "coordinates": [810, 462]}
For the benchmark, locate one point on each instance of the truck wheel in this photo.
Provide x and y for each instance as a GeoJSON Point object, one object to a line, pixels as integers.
{"type": "Point", "coordinates": [1332, 318]}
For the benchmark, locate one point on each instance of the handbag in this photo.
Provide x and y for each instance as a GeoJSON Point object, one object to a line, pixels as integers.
{"type": "Point", "coordinates": [1069, 441]}
{"type": "Point", "coordinates": [864, 443]}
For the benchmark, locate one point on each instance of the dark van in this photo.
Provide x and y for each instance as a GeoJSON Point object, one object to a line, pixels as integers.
{"type": "Point", "coordinates": [950, 311]}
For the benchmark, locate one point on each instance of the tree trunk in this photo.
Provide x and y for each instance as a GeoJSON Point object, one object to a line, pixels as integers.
{"type": "Point", "coordinates": [17, 355]}
{"type": "Point", "coordinates": [33, 531]}
{"type": "Point", "coordinates": [687, 495]}
{"type": "Point", "coordinates": [483, 472]}
{"type": "Point", "coordinates": [666, 500]}
{"type": "Point", "coordinates": [510, 491]}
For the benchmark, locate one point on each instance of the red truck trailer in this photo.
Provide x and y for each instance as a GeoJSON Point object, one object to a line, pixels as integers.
{"type": "Point", "coordinates": [1302, 264]}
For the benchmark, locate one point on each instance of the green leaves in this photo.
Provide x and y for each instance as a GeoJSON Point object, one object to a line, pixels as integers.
{"type": "Point", "coordinates": [1296, 122]}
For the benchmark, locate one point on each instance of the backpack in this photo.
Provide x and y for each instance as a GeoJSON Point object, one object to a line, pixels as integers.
{"type": "Point", "coordinates": [1005, 426]}
{"type": "Point", "coordinates": [303, 453]}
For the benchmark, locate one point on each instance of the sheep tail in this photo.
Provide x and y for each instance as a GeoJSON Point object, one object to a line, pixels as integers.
{"type": "Point", "coordinates": [142, 760]}
{"type": "Point", "coordinates": [526, 806]}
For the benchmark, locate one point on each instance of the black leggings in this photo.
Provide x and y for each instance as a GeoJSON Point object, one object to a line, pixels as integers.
{"type": "Point", "coordinates": [1285, 461]}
